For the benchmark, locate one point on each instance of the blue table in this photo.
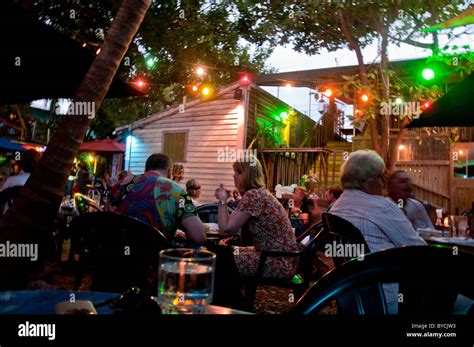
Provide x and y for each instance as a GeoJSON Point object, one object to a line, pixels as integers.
{"type": "Point", "coordinates": [43, 302]}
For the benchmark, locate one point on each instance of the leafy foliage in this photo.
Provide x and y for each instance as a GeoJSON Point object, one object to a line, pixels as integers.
{"type": "Point", "coordinates": [175, 37]}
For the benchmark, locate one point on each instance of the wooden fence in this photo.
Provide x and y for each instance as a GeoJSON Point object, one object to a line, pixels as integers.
{"type": "Point", "coordinates": [431, 180]}
{"type": "Point", "coordinates": [286, 166]}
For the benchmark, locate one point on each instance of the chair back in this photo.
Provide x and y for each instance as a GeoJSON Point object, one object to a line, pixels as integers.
{"type": "Point", "coordinates": [430, 279]}
{"type": "Point", "coordinates": [343, 232]}
{"type": "Point", "coordinates": [208, 212]}
{"type": "Point", "coordinates": [120, 251]}
{"type": "Point", "coordinates": [7, 196]}
{"type": "Point", "coordinates": [85, 204]}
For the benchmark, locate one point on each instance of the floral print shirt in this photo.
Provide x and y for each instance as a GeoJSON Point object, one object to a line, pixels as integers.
{"type": "Point", "coordinates": [157, 201]}
{"type": "Point", "coordinates": [271, 231]}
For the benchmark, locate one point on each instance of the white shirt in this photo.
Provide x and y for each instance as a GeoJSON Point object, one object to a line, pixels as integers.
{"type": "Point", "coordinates": [380, 221]}
{"type": "Point", "coordinates": [16, 180]}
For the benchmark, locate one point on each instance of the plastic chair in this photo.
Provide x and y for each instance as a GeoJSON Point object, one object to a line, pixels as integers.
{"type": "Point", "coordinates": [120, 251]}
{"type": "Point", "coordinates": [7, 196]}
{"type": "Point", "coordinates": [430, 280]}
{"type": "Point", "coordinates": [341, 231]}
{"type": "Point", "coordinates": [208, 212]}
{"type": "Point", "coordinates": [85, 204]}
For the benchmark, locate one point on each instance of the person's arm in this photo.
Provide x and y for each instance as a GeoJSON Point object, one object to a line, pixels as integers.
{"type": "Point", "coordinates": [194, 230]}
{"type": "Point", "coordinates": [228, 224]}
{"type": "Point", "coordinates": [398, 228]}
{"type": "Point", "coordinates": [422, 214]}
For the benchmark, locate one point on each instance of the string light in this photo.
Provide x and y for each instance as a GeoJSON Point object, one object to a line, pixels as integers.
{"type": "Point", "coordinates": [140, 83]}
{"type": "Point", "coordinates": [328, 92]}
{"type": "Point", "coordinates": [200, 71]}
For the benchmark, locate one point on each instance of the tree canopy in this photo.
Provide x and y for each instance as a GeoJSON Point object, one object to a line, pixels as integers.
{"type": "Point", "coordinates": [313, 26]}
{"type": "Point", "coordinates": [173, 38]}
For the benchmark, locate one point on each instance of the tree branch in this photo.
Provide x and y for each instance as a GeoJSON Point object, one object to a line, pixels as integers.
{"type": "Point", "coordinates": [362, 70]}
{"type": "Point", "coordinates": [413, 43]}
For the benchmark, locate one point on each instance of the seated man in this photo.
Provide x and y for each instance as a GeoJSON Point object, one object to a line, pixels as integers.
{"type": "Point", "coordinates": [380, 221]}
{"type": "Point", "coordinates": [400, 190]}
{"type": "Point", "coordinates": [28, 162]}
{"type": "Point", "coordinates": [334, 193]}
{"type": "Point", "coordinates": [155, 199]}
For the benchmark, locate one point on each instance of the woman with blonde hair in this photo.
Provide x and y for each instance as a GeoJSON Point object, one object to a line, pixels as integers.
{"type": "Point", "coordinates": [267, 221]}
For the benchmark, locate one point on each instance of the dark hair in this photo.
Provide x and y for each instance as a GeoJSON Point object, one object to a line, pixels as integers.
{"type": "Point", "coordinates": [393, 174]}
{"type": "Point", "coordinates": [29, 160]}
{"type": "Point", "coordinates": [336, 191]}
{"type": "Point", "coordinates": [158, 161]}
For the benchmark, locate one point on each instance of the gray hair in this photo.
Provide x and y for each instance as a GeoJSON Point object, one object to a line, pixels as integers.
{"type": "Point", "coordinates": [360, 166]}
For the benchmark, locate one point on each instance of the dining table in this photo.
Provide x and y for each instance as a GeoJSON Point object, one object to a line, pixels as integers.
{"type": "Point", "coordinates": [43, 302]}
{"type": "Point", "coordinates": [437, 237]}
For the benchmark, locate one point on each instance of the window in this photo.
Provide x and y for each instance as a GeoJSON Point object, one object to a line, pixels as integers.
{"type": "Point", "coordinates": [174, 145]}
{"type": "Point", "coordinates": [463, 162]}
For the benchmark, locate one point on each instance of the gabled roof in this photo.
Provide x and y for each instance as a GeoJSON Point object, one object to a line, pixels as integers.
{"type": "Point", "coordinates": [173, 110]}
{"type": "Point", "coordinates": [193, 103]}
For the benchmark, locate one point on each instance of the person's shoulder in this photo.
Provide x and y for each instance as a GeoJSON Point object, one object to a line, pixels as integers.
{"type": "Point", "coordinates": [256, 193]}
{"type": "Point", "coordinates": [415, 203]}
{"type": "Point", "coordinates": [175, 187]}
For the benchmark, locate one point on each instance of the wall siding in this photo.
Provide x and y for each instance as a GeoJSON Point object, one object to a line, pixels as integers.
{"type": "Point", "coordinates": [211, 126]}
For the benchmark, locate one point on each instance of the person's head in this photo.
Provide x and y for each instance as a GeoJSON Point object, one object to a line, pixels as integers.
{"type": "Point", "coordinates": [399, 185]}
{"type": "Point", "coordinates": [248, 174]}
{"type": "Point", "coordinates": [193, 188]}
{"type": "Point", "coordinates": [301, 193]}
{"type": "Point", "coordinates": [334, 193]}
{"type": "Point", "coordinates": [159, 162]}
{"type": "Point", "coordinates": [29, 160]}
{"type": "Point", "coordinates": [364, 170]}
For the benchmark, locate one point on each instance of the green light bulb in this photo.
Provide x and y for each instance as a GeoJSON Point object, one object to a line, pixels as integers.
{"type": "Point", "coordinates": [428, 74]}
{"type": "Point", "coordinates": [150, 62]}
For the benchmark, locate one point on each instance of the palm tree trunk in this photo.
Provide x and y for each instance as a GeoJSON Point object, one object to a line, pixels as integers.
{"type": "Point", "coordinates": [33, 214]}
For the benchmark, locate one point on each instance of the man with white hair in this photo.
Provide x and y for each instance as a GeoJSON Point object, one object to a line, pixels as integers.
{"type": "Point", "coordinates": [380, 221]}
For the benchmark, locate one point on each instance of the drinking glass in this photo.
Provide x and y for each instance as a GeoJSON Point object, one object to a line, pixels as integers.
{"type": "Point", "coordinates": [462, 226]}
{"type": "Point", "coordinates": [185, 280]}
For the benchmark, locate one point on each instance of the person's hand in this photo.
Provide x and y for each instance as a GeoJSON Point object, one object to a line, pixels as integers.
{"type": "Point", "coordinates": [222, 194]}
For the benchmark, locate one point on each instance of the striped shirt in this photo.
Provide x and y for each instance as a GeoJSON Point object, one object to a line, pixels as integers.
{"type": "Point", "coordinates": [381, 223]}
